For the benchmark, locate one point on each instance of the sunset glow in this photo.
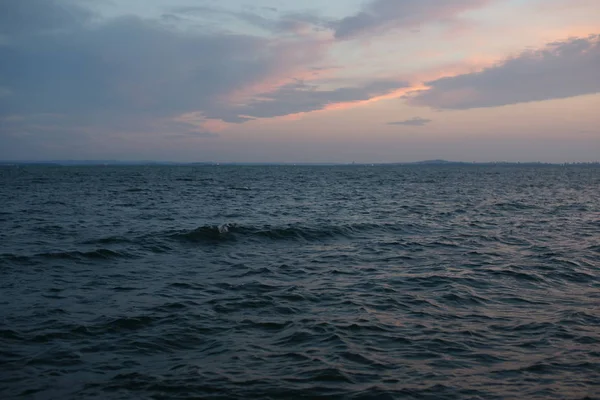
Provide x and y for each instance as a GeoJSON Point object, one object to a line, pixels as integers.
{"type": "Point", "coordinates": [236, 81]}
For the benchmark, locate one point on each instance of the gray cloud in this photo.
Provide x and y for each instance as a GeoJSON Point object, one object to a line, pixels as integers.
{"type": "Point", "coordinates": [286, 23]}
{"type": "Point", "coordinates": [78, 79]}
{"type": "Point", "coordinates": [380, 15]}
{"type": "Point", "coordinates": [128, 74]}
{"type": "Point", "coordinates": [300, 97]}
{"type": "Point", "coordinates": [376, 16]}
{"type": "Point", "coordinates": [29, 16]}
{"type": "Point", "coordinates": [416, 121]}
{"type": "Point", "coordinates": [155, 70]}
{"type": "Point", "coordinates": [560, 70]}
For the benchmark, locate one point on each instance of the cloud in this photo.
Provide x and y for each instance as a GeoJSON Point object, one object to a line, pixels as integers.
{"type": "Point", "coordinates": [34, 16]}
{"type": "Point", "coordinates": [300, 97]}
{"type": "Point", "coordinates": [198, 134]}
{"type": "Point", "coordinates": [133, 75]}
{"type": "Point", "coordinates": [292, 23]}
{"type": "Point", "coordinates": [381, 15]}
{"type": "Point", "coordinates": [559, 70]}
{"type": "Point", "coordinates": [80, 79]}
{"type": "Point", "coordinates": [416, 121]}
{"type": "Point", "coordinates": [377, 16]}
{"type": "Point", "coordinates": [156, 70]}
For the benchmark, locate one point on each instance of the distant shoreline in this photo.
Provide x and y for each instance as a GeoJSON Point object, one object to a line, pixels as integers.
{"type": "Point", "coordinates": [67, 163]}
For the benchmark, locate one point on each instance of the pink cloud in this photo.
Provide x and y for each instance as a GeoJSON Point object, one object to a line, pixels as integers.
{"type": "Point", "coordinates": [558, 70]}
{"type": "Point", "coordinates": [294, 61]}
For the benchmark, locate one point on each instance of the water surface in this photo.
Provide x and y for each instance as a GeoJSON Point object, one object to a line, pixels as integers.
{"type": "Point", "coordinates": [300, 282]}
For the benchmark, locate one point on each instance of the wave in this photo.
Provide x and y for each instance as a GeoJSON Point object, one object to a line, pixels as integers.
{"type": "Point", "coordinates": [109, 240]}
{"type": "Point", "coordinates": [14, 258]}
{"type": "Point", "coordinates": [204, 233]}
{"type": "Point", "coordinates": [240, 188]}
{"type": "Point", "coordinates": [231, 232]}
{"type": "Point", "coordinates": [406, 236]}
{"type": "Point", "coordinates": [98, 254]}
{"type": "Point", "coordinates": [514, 206]}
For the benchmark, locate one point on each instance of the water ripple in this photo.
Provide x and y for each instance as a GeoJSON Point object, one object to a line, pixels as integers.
{"type": "Point", "coordinates": [300, 282]}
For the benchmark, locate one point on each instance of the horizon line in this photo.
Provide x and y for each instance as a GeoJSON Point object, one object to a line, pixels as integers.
{"type": "Point", "coordinates": [286, 163]}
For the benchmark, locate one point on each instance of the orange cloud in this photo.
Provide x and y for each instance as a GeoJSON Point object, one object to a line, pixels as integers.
{"type": "Point", "coordinates": [418, 81]}
{"type": "Point", "coordinates": [347, 105]}
{"type": "Point", "coordinates": [388, 96]}
{"type": "Point", "coordinates": [287, 72]}
{"type": "Point", "coordinates": [294, 60]}
{"type": "Point", "coordinates": [274, 82]}
{"type": "Point", "coordinates": [417, 84]}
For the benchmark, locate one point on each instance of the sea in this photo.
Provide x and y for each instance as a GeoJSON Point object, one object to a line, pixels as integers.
{"type": "Point", "coordinates": [300, 282]}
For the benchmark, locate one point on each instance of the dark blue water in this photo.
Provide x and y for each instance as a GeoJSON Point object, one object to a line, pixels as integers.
{"type": "Point", "coordinates": [300, 282]}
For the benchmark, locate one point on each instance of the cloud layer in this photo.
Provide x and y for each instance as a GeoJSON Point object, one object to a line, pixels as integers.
{"type": "Point", "coordinates": [381, 15]}
{"type": "Point", "coordinates": [560, 70]}
{"type": "Point", "coordinates": [416, 121]}
{"type": "Point", "coordinates": [301, 97]}
{"type": "Point", "coordinates": [71, 77]}
{"type": "Point", "coordinates": [35, 16]}
{"type": "Point", "coordinates": [130, 70]}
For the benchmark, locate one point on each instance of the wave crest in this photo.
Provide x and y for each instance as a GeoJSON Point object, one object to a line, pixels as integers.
{"type": "Point", "coordinates": [230, 232]}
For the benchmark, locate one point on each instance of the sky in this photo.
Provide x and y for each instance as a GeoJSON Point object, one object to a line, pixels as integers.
{"type": "Point", "coordinates": [300, 81]}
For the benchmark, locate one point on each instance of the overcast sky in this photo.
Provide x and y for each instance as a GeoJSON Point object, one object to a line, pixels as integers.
{"type": "Point", "coordinates": [300, 81]}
